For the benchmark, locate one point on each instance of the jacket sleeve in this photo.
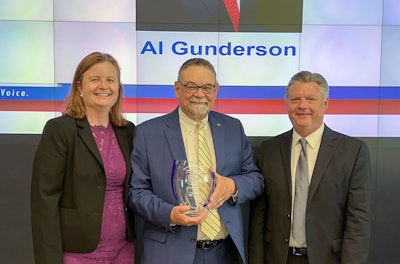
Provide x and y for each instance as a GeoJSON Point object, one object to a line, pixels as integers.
{"type": "Point", "coordinates": [357, 235]}
{"type": "Point", "coordinates": [46, 188]}
{"type": "Point", "coordinates": [142, 196]}
{"type": "Point", "coordinates": [249, 181]}
{"type": "Point", "coordinates": [258, 211]}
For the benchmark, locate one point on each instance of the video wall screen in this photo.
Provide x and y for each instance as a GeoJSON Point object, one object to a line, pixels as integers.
{"type": "Point", "coordinates": [354, 44]}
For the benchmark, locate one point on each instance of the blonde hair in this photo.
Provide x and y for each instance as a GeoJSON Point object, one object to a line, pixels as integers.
{"type": "Point", "coordinates": [305, 77]}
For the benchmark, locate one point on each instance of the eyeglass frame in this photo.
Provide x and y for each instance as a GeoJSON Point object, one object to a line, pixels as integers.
{"type": "Point", "coordinates": [197, 87]}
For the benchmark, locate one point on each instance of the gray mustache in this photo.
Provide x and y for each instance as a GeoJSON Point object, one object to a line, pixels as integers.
{"type": "Point", "coordinates": [194, 100]}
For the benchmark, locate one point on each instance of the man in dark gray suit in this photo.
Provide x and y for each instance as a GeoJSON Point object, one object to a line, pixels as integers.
{"type": "Point", "coordinates": [337, 210]}
{"type": "Point", "coordinates": [212, 16]}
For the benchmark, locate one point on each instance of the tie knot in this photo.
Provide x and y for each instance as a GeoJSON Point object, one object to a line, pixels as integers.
{"type": "Point", "coordinates": [303, 143]}
{"type": "Point", "coordinates": [200, 125]}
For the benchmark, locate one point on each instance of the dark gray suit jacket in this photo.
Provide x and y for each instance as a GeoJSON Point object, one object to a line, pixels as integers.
{"type": "Point", "coordinates": [68, 188]}
{"type": "Point", "coordinates": [338, 207]}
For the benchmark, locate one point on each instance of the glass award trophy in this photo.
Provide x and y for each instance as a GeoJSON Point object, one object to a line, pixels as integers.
{"type": "Point", "coordinates": [192, 185]}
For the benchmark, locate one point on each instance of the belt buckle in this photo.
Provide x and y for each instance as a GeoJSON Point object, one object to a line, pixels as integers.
{"type": "Point", "coordinates": [295, 252]}
{"type": "Point", "coordinates": [204, 244]}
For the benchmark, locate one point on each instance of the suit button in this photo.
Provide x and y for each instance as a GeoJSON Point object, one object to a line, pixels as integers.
{"type": "Point", "coordinates": [286, 240]}
{"type": "Point", "coordinates": [288, 216]}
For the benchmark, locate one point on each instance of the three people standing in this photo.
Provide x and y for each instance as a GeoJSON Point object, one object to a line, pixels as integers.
{"type": "Point", "coordinates": [82, 210]}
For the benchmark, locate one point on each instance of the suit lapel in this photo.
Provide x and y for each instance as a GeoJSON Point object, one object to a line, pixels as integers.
{"type": "Point", "coordinates": [209, 8]}
{"type": "Point", "coordinates": [286, 146]}
{"type": "Point", "coordinates": [325, 154]}
{"type": "Point", "coordinates": [173, 133]}
{"type": "Point", "coordinates": [218, 131]}
{"type": "Point", "coordinates": [212, 6]}
{"type": "Point", "coordinates": [86, 135]}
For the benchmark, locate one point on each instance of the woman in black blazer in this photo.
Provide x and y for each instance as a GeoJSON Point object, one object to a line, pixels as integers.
{"type": "Point", "coordinates": [81, 171]}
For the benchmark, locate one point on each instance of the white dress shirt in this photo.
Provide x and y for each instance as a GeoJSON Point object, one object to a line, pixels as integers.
{"type": "Point", "coordinates": [313, 143]}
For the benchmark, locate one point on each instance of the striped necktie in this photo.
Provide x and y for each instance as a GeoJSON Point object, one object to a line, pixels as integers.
{"type": "Point", "coordinates": [234, 13]}
{"type": "Point", "coordinates": [212, 224]}
{"type": "Point", "coordinates": [300, 196]}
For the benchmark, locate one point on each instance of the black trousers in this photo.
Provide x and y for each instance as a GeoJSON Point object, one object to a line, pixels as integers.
{"type": "Point", "coordinates": [293, 259]}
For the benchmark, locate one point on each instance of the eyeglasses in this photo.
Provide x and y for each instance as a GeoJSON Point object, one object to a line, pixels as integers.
{"type": "Point", "coordinates": [192, 87]}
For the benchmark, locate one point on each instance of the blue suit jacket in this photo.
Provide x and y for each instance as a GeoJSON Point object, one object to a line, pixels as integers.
{"type": "Point", "coordinates": [158, 142]}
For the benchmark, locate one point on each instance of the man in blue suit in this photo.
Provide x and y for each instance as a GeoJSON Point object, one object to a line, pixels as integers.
{"type": "Point", "coordinates": [169, 234]}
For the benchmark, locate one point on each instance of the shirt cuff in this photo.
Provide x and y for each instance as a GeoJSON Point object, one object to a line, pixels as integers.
{"type": "Point", "coordinates": [235, 196]}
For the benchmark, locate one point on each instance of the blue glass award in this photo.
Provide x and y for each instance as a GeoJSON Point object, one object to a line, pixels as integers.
{"type": "Point", "coordinates": [192, 185]}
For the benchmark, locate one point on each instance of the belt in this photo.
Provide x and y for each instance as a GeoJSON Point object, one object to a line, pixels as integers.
{"type": "Point", "coordinates": [298, 251]}
{"type": "Point", "coordinates": [207, 244]}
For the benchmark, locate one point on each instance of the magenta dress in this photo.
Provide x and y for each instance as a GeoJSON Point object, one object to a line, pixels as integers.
{"type": "Point", "coordinates": [113, 248]}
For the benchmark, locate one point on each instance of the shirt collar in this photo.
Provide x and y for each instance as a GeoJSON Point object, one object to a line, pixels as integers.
{"type": "Point", "coordinates": [313, 139]}
{"type": "Point", "coordinates": [189, 123]}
